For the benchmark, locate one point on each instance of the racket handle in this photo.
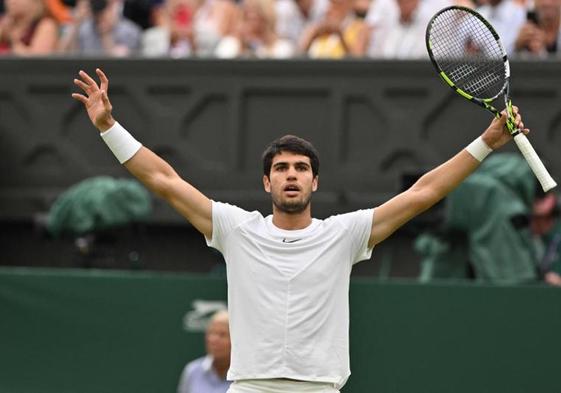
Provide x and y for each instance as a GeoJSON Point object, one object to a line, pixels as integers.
{"type": "Point", "coordinates": [534, 162]}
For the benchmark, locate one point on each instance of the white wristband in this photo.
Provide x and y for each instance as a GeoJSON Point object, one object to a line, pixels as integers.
{"type": "Point", "coordinates": [479, 149]}
{"type": "Point", "coordinates": [121, 142]}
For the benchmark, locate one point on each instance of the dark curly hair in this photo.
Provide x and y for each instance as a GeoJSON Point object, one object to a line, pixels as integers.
{"type": "Point", "coordinates": [291, 144]}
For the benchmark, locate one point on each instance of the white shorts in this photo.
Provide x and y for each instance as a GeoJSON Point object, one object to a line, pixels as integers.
{"type": "Point", "coordinates": [280, 386]}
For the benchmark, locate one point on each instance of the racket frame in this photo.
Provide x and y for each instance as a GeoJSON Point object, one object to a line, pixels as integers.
{"type": "Point", "coordinates": [520, 139]}
{"type": "Point", "coordinates": [485, 103]}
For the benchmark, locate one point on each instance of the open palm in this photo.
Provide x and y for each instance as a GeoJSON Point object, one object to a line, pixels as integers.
{"type": "Point", "coordinates": [95, 99]}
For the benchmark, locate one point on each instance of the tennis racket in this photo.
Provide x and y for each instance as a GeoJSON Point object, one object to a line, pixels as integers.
{"type": "Point", "coordinates": [467, 53]}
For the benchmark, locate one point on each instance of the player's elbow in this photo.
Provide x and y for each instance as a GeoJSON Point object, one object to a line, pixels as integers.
{"type": "Point", "coordinates": [161, 184]}
{"type": "Point", "coordinates": [423, 198]}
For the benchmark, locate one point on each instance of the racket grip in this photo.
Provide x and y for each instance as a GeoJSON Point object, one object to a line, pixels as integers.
{"type": "Point", "coordinates": [534, 162]}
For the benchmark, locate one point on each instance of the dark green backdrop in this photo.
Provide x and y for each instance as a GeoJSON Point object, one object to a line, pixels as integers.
{"type": "Point", "coordinates": [68, 331]}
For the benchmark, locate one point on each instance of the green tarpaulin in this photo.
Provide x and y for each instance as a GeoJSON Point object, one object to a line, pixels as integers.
{"type": "Point", "coordinates": [98, 203]}
{"type": "Point", "coordinates": [486, 226]}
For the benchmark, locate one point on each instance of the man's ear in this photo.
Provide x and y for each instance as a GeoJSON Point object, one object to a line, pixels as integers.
{"type": "Point", "coordinates": [267, 183]}
{"type": "Point", "coordinates": [315, 183]}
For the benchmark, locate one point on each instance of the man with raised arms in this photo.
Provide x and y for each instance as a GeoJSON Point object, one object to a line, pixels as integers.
{"type": "Point", "coordinates": [288, 273]}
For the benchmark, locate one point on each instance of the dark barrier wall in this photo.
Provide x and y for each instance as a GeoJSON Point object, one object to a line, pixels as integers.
{"type": "Point", "coordinates": [371, 121]}
{"type": "Point", "coordinates": [98, 332]}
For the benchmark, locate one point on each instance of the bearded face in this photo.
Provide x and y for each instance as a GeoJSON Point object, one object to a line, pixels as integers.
{"type": "Point", "coordinates": [290, 182]}
{"type": "Point", "coordinates": [291, 204]}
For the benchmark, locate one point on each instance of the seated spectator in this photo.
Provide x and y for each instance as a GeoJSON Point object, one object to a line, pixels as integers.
{"type": "Point", "coordinates": [402, 37]}
{"type": "Point", "coordinates": [342, 32]}
{"type": "Point", "coordinates": [293, 16]}
{"type": "Point", "coordinates": [27, 29]}
{"type": "Point", "coordinates": [540, 36]}
{"type": "Point", "coordinates": [387, 11]}
{"type": "Point", "coordinates": [60, 11]}
{"type": "Point", "coordinates": [174, 34]}
{"type": "Point", "coordinates": [256, 34]}
{"type": "Point", "coordinates": [212, 21]}
{"type": "Point", "coordinates": [100, 29]}
{"type": "Point", "coordinates": [546, 228]}
{"type": "Point", "coordinates": [507, 17]}
{"type": "Point", "coordinates": [141, 12]}
{"type": "Point", "coordinates": [208, 374]}
{"type": "Point", "coordinates": [190, 27]}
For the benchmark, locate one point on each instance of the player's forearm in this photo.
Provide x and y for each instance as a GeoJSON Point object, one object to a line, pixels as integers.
{"type": "Point", "coordinates": [439, 182]}
{"type": "Point", "coordinates": [427, 191]}
{"type": "Point", "coordinates": [151, 170]}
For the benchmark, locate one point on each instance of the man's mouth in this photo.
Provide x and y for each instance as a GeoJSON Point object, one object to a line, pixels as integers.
{"type": "Point", "coordinates": [291, 189]}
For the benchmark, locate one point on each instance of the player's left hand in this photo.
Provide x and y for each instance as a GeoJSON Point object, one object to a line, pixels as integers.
{"type": "Point", "coordinates": [497, 135]}
{"type": "Point", "coordinates": [95, 99]}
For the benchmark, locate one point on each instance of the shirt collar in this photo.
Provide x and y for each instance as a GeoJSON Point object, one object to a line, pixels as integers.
{"type": "Point", "coordinates": [207, 364]}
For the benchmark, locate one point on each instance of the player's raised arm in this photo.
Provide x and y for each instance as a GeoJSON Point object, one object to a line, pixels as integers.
{"type": "Point", "coordinates": [439, 182]}
{"type": "Point", "coordinates": [155, 173]}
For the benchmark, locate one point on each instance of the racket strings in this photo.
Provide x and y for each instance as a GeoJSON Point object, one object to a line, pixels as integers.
{"type": "Point", "coordinates": [468, 53]}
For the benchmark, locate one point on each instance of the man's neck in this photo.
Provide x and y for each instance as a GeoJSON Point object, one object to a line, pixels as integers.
{"type": "Point", "coordinates": [221, 367]}
{"type": "Point", "coordinates": [290, 222]}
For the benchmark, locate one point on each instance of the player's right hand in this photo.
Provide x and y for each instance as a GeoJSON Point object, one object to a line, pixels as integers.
{"type": "Point", "coordinates": [95, 99]}
{"type": "Point", "coordinates": [496, 135]}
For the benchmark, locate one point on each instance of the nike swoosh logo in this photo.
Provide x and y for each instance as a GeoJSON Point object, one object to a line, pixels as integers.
{"type": "Point", "coordinates": [285, 240]}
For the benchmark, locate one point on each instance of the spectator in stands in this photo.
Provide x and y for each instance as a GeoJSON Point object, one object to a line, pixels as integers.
{"type": "Point", "coordinates": [142, 12]}
{"type": "Point", "coordinates": [506, 16]}
{"type": "Point", "coordinates": [212, 21]}
{"type": "Point", "coordinates": [403, 38]}
{"type": "Point", "coordinates": [100, 29]}
{"type": "Point", "coordinates": [540, 36]}
{"type": "Point", "coordinates": [27, 29]}
{"type": "Point", "coordinates": [190, 27]}
{"type": "Point", "coordinates": [342, 32]}
{"type": "Point", "coordinates": [546, 228]}
{"type": "Point", "coordinates": [256, 34]}
{"type": "Point", "coordinates": [293, 16]}
{"type": "Point", "coordinates": [208, 374]}
{"type": "Point", "coordinates": [387, 11]}
{"type": "Point", "coordinates": [174, 35]}
{"type": "Point", "coordinates": [59, 10]}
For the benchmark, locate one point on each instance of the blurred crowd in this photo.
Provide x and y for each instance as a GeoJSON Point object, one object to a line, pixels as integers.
{"type": "Point", "coordinates": [389, 29]}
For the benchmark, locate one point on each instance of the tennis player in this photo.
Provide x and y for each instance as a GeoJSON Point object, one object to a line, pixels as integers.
{"type": "Point", "coordinates": [288, 273]}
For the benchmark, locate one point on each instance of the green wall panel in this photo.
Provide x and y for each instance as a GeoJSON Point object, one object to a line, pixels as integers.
{"type": "Point", "coordinates": [69, 331]}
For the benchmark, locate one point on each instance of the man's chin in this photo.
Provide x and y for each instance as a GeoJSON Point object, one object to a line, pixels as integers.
{"type": "Point", "coordinates": [292, 208]}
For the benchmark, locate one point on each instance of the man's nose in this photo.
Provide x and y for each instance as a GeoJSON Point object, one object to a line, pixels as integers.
{"type": "Point", "coordinates": [291, 173]}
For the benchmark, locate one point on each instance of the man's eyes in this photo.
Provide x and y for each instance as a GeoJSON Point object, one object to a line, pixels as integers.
{"type": "Point", "coordinates": [299, 168]}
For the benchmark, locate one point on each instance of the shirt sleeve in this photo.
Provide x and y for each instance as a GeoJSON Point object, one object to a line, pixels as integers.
{"type": "Point", "coordinates": [225, 218]}
{"type": "Point", "coordinates": [183, 386]}
{"type": "Point", "coordinates": [358, 227]}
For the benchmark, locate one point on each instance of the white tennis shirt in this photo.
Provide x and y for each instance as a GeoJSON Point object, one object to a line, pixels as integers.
{"type": "Point", "coordinates": [288, 292]}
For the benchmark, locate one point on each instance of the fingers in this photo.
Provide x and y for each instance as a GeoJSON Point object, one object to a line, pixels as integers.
{"type": "Point", "coordinates": [88, 80]}
{"type": "Point", "coordinates": [81, 85]}
{"type": "Point", "coordinates": [87, 84]}
{"type": "Point", "coordinates": [518, 123]}
{"type": "Point", "coordinates": [105, 99]}
{"type": "Point", "coordinates": [90, 86]}
{"type": "Point", "coordinates": [103, 79]}
{"type": "Point", "coordinates": [79, 97]}
{"type": "Point", "coordinates": [503, 118]}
